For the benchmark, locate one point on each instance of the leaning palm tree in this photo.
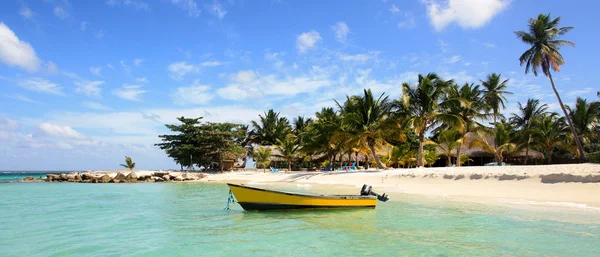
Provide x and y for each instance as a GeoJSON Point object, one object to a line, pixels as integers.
{"type": "Point", "coordinates": [501, 137]}
{"type": "Point", "coordinates": [262, 156]}
{"type": "Point", "coordinates": [544, 54]}
{"type": "Point", "coordinates": [367, 117]}
{"type": "Point", "coordinates": [289, 148]}
{"type": "Point", "coordinates": [524, 119]}
{"type": "Point", "coordinates": [549, 133]}
{"type": "Point", "coordinates": [129, 164]}
{"type": "Point", "coordinates": [585, 117]}
{"type": "Point", "coordinates": [421, 105]}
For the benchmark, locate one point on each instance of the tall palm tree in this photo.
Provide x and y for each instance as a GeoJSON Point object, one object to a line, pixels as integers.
{"type": "Point", "coordinates": [367, 117]}
{"type": "Point", "coordinates": [542, 36]}
{"type": "Point", "coordinates": [269, 128]}
{"type": "Point", "coordinates": [129, 164]}
{"type": "Point", "coordinates": [422, 106]}
{"type": "Point", "coordinates": [262, 156]}
{"type": "Point", "coordinates": [494, 91]}
{"type": "Point", "coordinates": [585, 117]}
{"type": "Point", "coordinates": [524, 119]}
{"type": "Point", "coordinates": [289, 148]}
{"type": "Point", "coordinates": [549, 133]}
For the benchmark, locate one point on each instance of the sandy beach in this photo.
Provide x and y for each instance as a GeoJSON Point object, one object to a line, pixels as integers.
{"type": "Point", "coordinates": [544, 185]}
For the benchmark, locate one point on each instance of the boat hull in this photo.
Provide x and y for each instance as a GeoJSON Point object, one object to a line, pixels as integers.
{"type": "Point", "coordinates": [258, 199]}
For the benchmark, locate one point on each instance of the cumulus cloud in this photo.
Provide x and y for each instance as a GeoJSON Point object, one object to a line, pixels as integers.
{"type": "Point", "coordinates": [54, 130]}
{"type": "Point", "coordinates": [307, 40]}
{"type": "Point", "coordinates": [130, 92]}
{"type": "Point", "coordinates": [41, 85]}
{"type": "Point", "coordinates": [194, 94]}
{"type": "Point", "coordinates": [178, 70]}
{"type": "Point", "coordinates": [89, 88]}
{"type": "Point", "coordinates": [14, 52]}
{"type": "Point", "coordinates": [341, 31]}
{"type": "Point", "coordinates": [466, 13]}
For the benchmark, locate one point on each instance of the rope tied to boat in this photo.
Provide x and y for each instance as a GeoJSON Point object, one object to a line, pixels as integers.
{"type": "Point", "coordinates": [230, 199]}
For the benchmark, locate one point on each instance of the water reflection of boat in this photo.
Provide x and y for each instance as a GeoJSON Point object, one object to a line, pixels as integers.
{"type": "Point", "coordinates": [259, 199]}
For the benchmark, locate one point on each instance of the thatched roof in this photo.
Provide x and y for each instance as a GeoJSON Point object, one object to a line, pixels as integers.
{"type": "Point", "coordinates": [479, 152]}
{"type": "Point", "coordinates": [276, 155]}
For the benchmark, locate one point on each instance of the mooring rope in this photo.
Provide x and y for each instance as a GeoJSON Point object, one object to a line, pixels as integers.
{"type": "Point", "coordinates": [230, 199]}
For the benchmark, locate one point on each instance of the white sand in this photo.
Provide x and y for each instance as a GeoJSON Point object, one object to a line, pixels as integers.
{"type": "Point", "coordinates": [444, 182]}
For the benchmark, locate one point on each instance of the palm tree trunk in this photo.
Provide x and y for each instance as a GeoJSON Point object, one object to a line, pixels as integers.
{"type": "Point", "coordinates": [458, 155]}
{"type": "Point", "coordinates": [448, 160]}
{"type": "Point", "coordinates": [289, 165]}
{"type": "Point", "coordinates": [420, 153]}
{"type": "Point", "coordinates": [371, 144]}
{"type": "Point", "coordinates": [575, 137]}
{"type": "Point", "coordinates": [527, 149]}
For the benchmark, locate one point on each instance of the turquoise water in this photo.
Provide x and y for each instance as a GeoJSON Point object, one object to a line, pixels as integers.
{"type": "Point", "coordinates": [185, 219]}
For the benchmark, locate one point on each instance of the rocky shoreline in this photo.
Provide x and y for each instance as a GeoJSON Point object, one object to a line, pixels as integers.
{"type": "Point", "coordinates": [119, 177]}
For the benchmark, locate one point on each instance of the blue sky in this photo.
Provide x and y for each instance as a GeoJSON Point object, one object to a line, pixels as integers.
{"type": "Point", "coordinates": [84, 83]}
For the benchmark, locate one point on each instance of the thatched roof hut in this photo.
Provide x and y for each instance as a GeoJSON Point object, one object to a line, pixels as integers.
{"type": "Point", "coordinates": [277, 156]}
{"type": "Point", "coordinates": [477, 152]}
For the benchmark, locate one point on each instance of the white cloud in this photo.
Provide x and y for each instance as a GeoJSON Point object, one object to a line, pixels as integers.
{"type": "Point", "coordinates": [61, 12]}
{"type": "Point", "coordinates": [89, 88]}
{"type": "Point", "coordinates": [54, 130]}
{"type": "Point", "coordinates": [125, 67]}
{"type": "Point", "coordinates": [26, 13]}
{"type": "Point", "coordinates": [467, 13]}
{"type": "Point", "coordinates": [341, 31]}
{"type": "Point", "coordinates": [308, 40]}
{"type": "Point", "coordinates": [179, 69]}
{"type": "Point", "coordinates": [95, 106]}
{"type": "Point", "coordinates": [212, 63]}
{"type": "Point", "coordinates": [8, 124]}
{"type": "Point", "coordinates": [188, 54]}
{"type": "Point", "coordinates": [141, 80]}
{"type": "Point", "coordinates": [360, 58]}
{"type": "Point", "coordinates": [234, 92]}
{"type": "Point", "coordinates": [194, 94]}
{"type": "Point", "coordinates": [489, 45]}
{"type": "Point", "coordinates": [40, 85]}
{"type": "Point", "coordinates": [581, 92]}
{"type": "Point", "coordinates": [83, 25]}
{"type": "Point", "coordinates": [394, 9]}
{"type": "Point", "coordinates": [218, 10]}
{"type": "Point", "coordinates": [96, 70]}
{"type": "Point", "coordinates": [408, 22]}
{"type": "Point", "coordinates": [137, 4]}
{"type": "Point", "coordinates": [190, 6]}
{"type": "Point", "coordinates": [274, 58]}
{"type": "Point", "coordinates": [99, 34]}
{"type": "Point", "coordinates": [245, 76]}
{"type": "Point", "coordinates": [14, 52]}
{"type": "Point", "coordinates": [443, 45]}
{"type": "Point", "coordinates": [458, 77]}
{"type": "Point", "coordinates": [453, 59]}
{"type": "Point", "coordinates": [137, 62]}
{"type": "Point", "coordinates": [21, 98]}
{"type": "Point", "coordinates": [51, 67]}
{"type": "Point", "coordinates": [130, 92]}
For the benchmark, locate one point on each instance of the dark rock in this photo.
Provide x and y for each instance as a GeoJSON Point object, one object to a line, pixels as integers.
{"type": "Point", "coordinates": [104, 179]}
{"type": "Point", "coordinates": [63, 177]}
{"type": "Point", "coordinates": [158, 179]}
{"type": "Point", "coordinates": [77, 178]}
{"type": "Point", "coordinates": [120, 176]}
{"type": "Point", "coordinates": [178, 178]}
{"type": "Point", "coordinates": [160, 173]}
{"type": "Point", "coordinates": [131, 177]}
{"type": "Point", "coordinates": [88, 176]}
{"type": "Point", "coordinates": [30, 178]}
{"type": "Point", "coordinates": [166, 177]}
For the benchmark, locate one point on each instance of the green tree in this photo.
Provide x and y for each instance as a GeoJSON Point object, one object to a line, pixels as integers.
{"type": "Point", "coordinates": [543, 37]}
{"type": "Point", "coordinates": [586, 118]}
{"type": "Point", "coordinates": [502, 139]}
{"type": "Point", "coordinates": [449, 141]}
{"type": "Point", "coordinates": [524, 119]}
{"type": "Point", "coordinates": [494, 89]}
{"type": "Point", "coordinates": [269, 128]}
{"type": "Point", "coordinates": [289, 148]}
{"type": "Point", "coordinates": [549, 133]}
{"type": "Point", "coordinates": [317, 136]}
{"type": "Point", "coordinates": [366, 117]}
{"type": "Point", "coordinates": [430, 157]}
{"type": "Point", "coordinates": [129, 164]}
{"type": "Point", "coordinates": [262, 156]}
{"type": "Point", "coordinates": [421, 105]}
{"type": "Point", "coordinates": [300, 124]}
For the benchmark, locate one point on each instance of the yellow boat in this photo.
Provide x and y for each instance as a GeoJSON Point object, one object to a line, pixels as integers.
{"type": "Point", "coordinates": [259, 199]}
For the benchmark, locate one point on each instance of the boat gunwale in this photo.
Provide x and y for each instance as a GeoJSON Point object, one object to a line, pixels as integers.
{"type": "Point", "coordinates": [354, 197]}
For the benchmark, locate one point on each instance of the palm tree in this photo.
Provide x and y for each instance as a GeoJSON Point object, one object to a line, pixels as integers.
{"type": "Point", "coordinates": [421, 105]}
{"type": "Point", "coordinates": [269, 128]}
{"type": "Point", "coordinates": [544, 54]}
{"type": "Point", "coordinates": [317, 136]}
{"type": "Point", "coordinates": [289, 148]}
{"type": "Point", "coordinates": [493, 93]}
{"type": "Point", "coordinates": [502, 144]}
{"type": "Point", "coordinates": [585, 117]}
{"type": "Point", "coordinates": [262, 156]}
{"type": "Point", "coordinates": [448, 141]}
{"type": "Point", "coordinates": [129, 164]}
{"type": "Point", "coordinates": [549, 133]}
{"type": "Point", "coordinates": [299, 125]}
{"type": "Point", "coordinates": [528, 113]}
{"type": "Point", "coordinates": [366, 118]}
{"type": "Point", "coordinates": [430, 157]}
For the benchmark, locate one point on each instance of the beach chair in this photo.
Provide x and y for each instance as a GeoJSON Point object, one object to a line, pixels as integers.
{"type": "Point", "coordinates": [344, 167]}
{"type": "Point", "coordinates": [353, 167]}
{"type": "Point", "coordinates": [326, 168]}
{"type": "Point", "coordinates": [274, 170]}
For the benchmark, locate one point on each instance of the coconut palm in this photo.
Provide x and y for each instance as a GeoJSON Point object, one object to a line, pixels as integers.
{"type": "Point", "coordinates": [448, 141]}
{"type": "Point", "coordinates": [366, 117]}
{"type": "Point", "coordinates": [269, 128]}
{"type": "Point", "coordinates": [585, 117]}
{"type": "Point", "coordinates": [262, 156]}
{"type": "Point", "coordinates": [549, 133]}
{"type": "Point", "coordinates": [129, 164]}
{"type": "Point", "coordinates": [318, 134]}
{"type": "Point", "coordinates": [289, 148]}
{"type": "Point", "coordinates": [421, 105]}
{"type": "Point", "coordinates": [524, 119]}
{"type": "Point", "coordinates": [542, 35]}
{"type": "Point", "coordinates": [501, 136]}
{"type": "Point", "coordinates": [494, 91]}
{"type": "Point", "coordinates": [430, 157]}
{"type": "Point", "coordinates": [299, 125]}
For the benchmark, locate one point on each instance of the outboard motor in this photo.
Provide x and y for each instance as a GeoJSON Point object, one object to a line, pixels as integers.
{"type": "Point", "coordinates": [366, 190]}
